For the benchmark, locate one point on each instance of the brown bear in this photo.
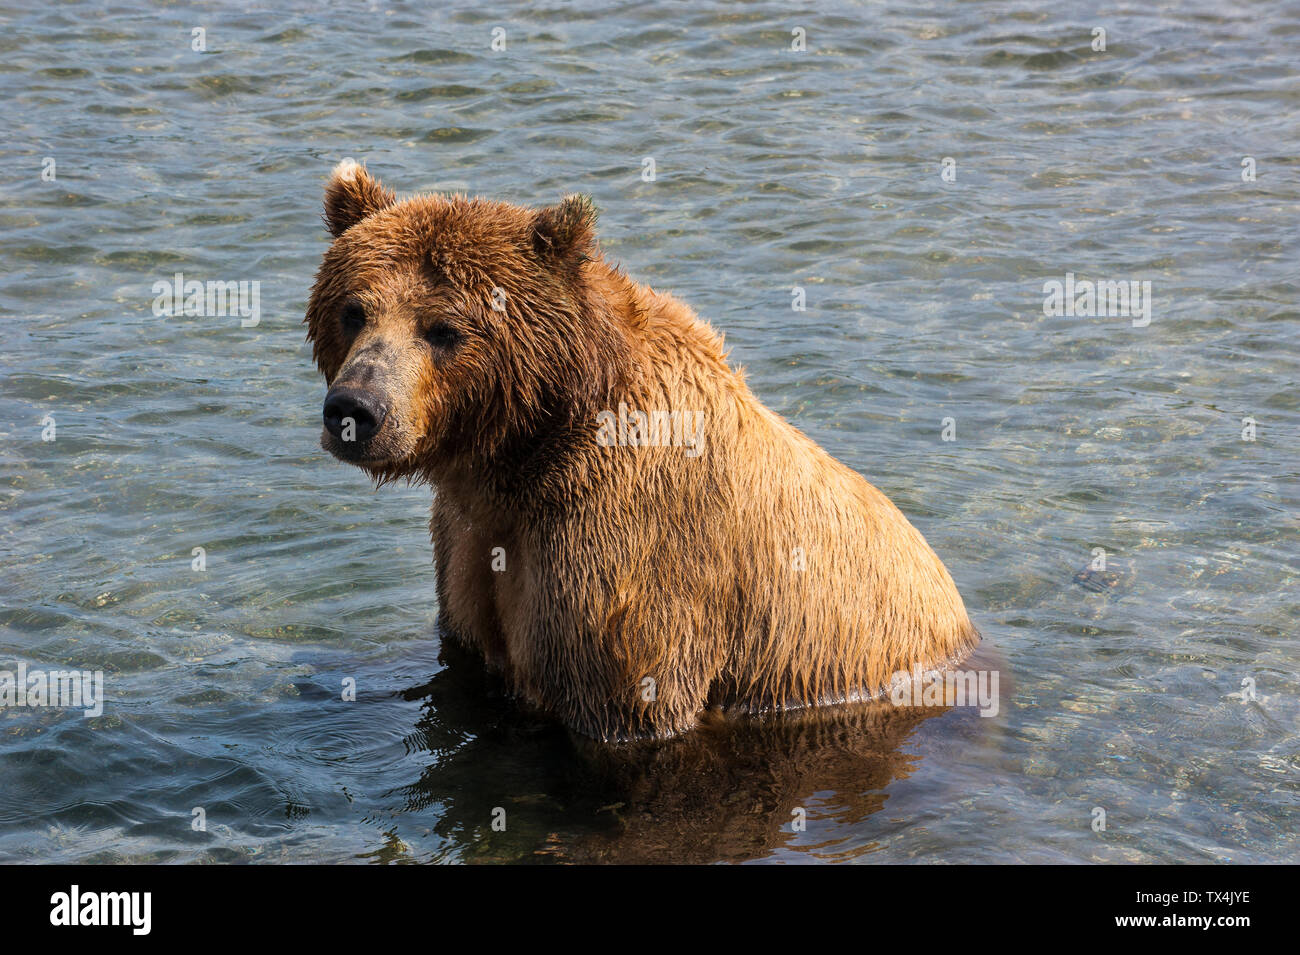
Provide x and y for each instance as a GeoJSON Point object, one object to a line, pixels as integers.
{"type": "Point", "coordinates": [620, 527]}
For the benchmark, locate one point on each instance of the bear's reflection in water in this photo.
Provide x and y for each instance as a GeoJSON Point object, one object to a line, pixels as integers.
{"type": "Point", "coordinates": [727, 792]}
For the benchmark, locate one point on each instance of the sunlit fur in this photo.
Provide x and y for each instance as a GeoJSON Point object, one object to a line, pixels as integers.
{"type": "Point", "coordinates": [621, 563]}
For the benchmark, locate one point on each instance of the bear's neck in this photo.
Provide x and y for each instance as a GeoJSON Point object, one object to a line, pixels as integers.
{"type": "Point", "coordinates": [540, 462]}
{"type": "Point", "coordinates": [655, 356]}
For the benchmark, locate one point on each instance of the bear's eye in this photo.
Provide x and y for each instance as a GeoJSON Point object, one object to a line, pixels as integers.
{"type": "Point", "coordinates": [441, 335]}
{"type": "Point", "coordinates": [353, 318]}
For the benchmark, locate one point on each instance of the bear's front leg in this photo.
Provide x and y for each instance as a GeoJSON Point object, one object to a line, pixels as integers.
{"type": "Point", "coordinates": [463, 558]}
{"type": "Point", "coordinates": [609, 664]}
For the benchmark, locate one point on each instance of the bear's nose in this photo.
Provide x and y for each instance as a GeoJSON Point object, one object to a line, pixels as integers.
{"type": "Point", "coordinates": [363, 408]}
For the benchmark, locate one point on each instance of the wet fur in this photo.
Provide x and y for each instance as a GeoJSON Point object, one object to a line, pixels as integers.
{"type": "Point", "coordinates": [622, 563]}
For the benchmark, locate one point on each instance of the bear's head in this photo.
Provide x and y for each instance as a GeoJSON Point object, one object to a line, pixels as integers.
{"type": "Point", "coordinates": [452, 330]}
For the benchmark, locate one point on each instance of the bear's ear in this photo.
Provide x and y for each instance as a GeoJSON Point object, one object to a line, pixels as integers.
{"type": "Point", "coordinates": [351, 195]}
{"type": "Point", "coordinates": [565, 232]}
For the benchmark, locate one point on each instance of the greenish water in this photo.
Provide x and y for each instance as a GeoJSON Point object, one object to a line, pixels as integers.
{"type": "Point", "coordinates": [774, 169]}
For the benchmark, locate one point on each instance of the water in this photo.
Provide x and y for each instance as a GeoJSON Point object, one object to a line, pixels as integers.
{"type": "Point", "coordinates": [774, 169]}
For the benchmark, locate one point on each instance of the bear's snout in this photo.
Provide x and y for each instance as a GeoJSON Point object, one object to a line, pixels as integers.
{"type": "Point", "coordinates": [353, 415]}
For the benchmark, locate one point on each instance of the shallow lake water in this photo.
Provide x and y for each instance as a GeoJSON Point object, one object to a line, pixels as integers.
{"type": "Point", "coordinates": [1162, 690]}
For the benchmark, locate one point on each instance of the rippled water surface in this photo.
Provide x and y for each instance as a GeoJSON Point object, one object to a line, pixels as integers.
{"type": "Point", "coordinates": [774, 169]}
